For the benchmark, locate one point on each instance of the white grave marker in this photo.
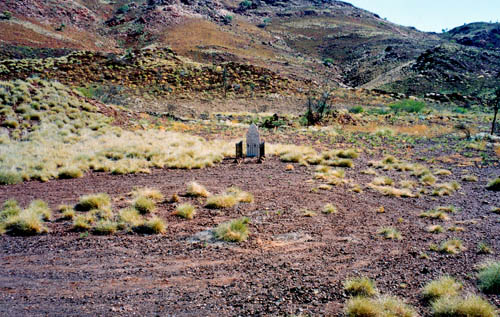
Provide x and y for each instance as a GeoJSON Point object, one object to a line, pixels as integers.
{"type": "Point", "coordinates": [253, 141]}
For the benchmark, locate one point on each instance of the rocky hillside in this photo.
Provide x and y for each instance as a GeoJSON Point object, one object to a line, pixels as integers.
{"type": "Point", "coordinates": [324, 42]}
{"type": "Point", "coordinates": [482, 35]}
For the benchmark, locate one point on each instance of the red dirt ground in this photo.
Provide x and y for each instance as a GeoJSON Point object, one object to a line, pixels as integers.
{"type": "Point", "coordinates": [290, 264]}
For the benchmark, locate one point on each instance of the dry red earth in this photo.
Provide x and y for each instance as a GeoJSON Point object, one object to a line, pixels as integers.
{"type": "Point", "coordinates": [291, 264]}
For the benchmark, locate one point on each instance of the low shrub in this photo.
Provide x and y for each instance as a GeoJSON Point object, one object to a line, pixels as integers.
{"type": "Point", "coordinates": [233, 231]}
{"type": "Point", "coordinates": [241, 196]}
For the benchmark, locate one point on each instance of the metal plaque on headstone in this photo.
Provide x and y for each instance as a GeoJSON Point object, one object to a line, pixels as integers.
{"type": "Point", "coordinates": [253, 141]}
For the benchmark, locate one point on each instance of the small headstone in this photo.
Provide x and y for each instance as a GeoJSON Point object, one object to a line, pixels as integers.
{"type": "Point", "coordinates": [253, 141]}
{"type": "Point", "coordinates": [262, 150]}
{"type": "Point", "coordinates": [239, 150]}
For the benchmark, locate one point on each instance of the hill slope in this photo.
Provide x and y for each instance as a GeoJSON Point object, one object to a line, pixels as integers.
{"type": "Point", "coordinates": [327, 42]}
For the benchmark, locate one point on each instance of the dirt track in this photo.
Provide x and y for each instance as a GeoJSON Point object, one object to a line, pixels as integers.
{"type": "Point", "coordinates": [291, 264]}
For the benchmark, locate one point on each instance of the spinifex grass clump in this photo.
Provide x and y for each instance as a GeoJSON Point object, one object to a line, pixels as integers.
{"type": "Point", "coordinates": [71, 136]}
{"type": "Point", "coordinates": [233, 231]}
{"type": "Point", "coordinates": [9, 177]}
{"type": "Point", "coordinates": [494, 185]}
{"type": "Point", "coordinates": [105, 227]}
{"type": "Point", "coordinates": [154, 225]}
{"type": "Point", "coordinates": [144, 205]}
{"type": "Point", "coordinates": [329, 209]}
{"type": "Point", "coordinates": [230, 198]}
{"type": "Point", "coordinates": [186, 211]}
{"type": "Point", "coordinates": [148, 192]}
{"type": "Point", "coordinates": [196, 190]}
{"type": "Point", "coordinates": [360, 286]}
{"type": "Point", "coordinates": [472, 305]}
{"type": "Point", "coordinates": [453, 246]}
{"type": "Point", "coordinates": [446, 286]}
{"type": "Point", "coordinates": [390, 233]}
{"type": "Point", "coordinates": [489, 278]}
{"type": "Point", "coordinates": [24, 222]}
{"type": "Point", "coordinates": [383, 306]}
{"type": "Point", "coordinates": [94, 201]}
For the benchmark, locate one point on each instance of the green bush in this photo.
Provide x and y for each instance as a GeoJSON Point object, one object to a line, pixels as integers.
{"type": "Point", "coordinates": [123, 9]}
{"type": "Point", "coordinates": [357, 109]}
{"type": "Point", "coordinates": [328, 61]}
{"type": "Point", "coordinates": [460, 110]}
{"type": "Point", "coordinates": [408, 105]}
{"type": "Point", "coordinates": [489, 278]}
{"type": "Point", "coordinates": [7, 15]}
{"type": "Point", "coordinates": [246, 4]}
